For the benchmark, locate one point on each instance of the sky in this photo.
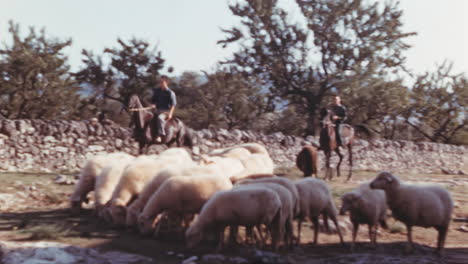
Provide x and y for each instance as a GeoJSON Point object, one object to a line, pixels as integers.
{"type": "Point", "coordinates": [186, 31]}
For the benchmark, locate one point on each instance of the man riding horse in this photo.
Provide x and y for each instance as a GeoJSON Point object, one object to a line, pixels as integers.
{"type": "Point", "coordinates": [338, 118]}
{"type": "Point", "coordinates": [163, 102]}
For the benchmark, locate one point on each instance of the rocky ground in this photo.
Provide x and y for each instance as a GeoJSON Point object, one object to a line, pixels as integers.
{"type": "Point", "coordinates": [36, 227]}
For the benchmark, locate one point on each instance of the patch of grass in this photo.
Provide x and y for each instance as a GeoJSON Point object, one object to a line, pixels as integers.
{"type": "Point", "coordinates": [46, 231]}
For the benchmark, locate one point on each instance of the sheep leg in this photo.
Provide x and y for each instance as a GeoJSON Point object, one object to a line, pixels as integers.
{"type": "Point", "coordinates": [338, 229]}
{"type": "Point", "coordinates": [299, 225]}
{"type": "Point", "coordinates": [315, 221]}
{"type": "Point", "coordinates": [289, 233]}
{"type": "Point", "coordinates": [372, 236]}
{"type": "Point", "coordinates": [350, 156]}
{"type": "Point", "coordinates": [233, 231]}
{"type": "Point", "coordinates": [441, 238]}
{"type": "Point", "coordinates": [355, 231]}
{"type": "Point", "coordinates": [338, 174]}
{"type": "Point", "coordinates": [409, 245]}
{"type": "Point", "coordinates": [220, 231]}
{"type": "Point", "coordinates": [261, 240]}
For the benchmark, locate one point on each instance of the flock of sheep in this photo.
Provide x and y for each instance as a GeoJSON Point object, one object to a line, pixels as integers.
{"type": "Point", "coordinates": [234, 187]}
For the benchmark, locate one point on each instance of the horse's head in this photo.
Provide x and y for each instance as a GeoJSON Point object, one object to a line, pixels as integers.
{"type": "Point", "coordinates": [326, 117]}
{"type": "Point", "coordinates": [134, 102]}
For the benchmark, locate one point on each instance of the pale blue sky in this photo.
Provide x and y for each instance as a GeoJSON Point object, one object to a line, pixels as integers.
{"type": "Point", "coordinates": [186, 31]}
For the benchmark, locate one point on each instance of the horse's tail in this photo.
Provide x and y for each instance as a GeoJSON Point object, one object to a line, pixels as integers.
{"type": "Point", "coordinates": [363, 130]}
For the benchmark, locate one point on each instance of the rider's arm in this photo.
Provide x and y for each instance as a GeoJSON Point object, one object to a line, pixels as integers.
{"type": "Point", "coordinates": [171, 111]}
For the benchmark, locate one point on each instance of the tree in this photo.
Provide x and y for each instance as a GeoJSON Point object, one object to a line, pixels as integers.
{"type": "Point", "coordinates": [343, 41]}
{"type": "Point", "coordinates": [220, 99]}
{"type": "Point", "coordinates": [35, 80]}
{"type": "Point", "coordinates": [439, 106]}
{"type": "Point", "coordinates": [133, 69]}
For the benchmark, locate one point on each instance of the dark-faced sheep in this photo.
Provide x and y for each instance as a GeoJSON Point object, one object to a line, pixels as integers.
{"type": "Point", "coordinates": [417, 205]}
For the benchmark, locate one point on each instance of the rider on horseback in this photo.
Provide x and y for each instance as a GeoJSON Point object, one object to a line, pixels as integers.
{"type": "Point", "coordinates": [338, 118]}
{"type": "Point", "coordinates": [163, 101]}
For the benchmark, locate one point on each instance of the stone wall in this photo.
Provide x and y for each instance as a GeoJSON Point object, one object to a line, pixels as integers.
{"type": "Point", "coordinates": [58, 146]}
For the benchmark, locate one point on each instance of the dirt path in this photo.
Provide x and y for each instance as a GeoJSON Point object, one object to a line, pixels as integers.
{"type": "Point", "coordinates": [34, 208]}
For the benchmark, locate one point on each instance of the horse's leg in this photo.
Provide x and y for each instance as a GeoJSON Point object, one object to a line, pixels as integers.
{"type": "Point", "coordinates": [350, 154]}
{"type": "Point", "coordinates": [337, 150]}
{"type": "Point", "coordinates": [327, 165]}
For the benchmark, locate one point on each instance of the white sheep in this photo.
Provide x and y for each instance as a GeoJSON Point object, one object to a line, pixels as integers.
{"type": "Point", "coordinates": [137, 175]}
{"type": "Point", "coordinates": [285, 182]}
{"type": "Point", "coordinates": [87, 179]}
{"type": "Point", "coordinates": [153, 186]}
{"type": "Point", "coordinates": [253, 148]}
{"type": "Point", "coordinates": [248, 207]}
{"type": "Point", "coordinates": [366, 206]}
{"type": "Point", "coordinates": [315, 199]}
{"type": "Point", "coordinates": [254, 164]}
{"type": "Point", "coordinates": [287, 205]}
{"type": "Point", "coordinates": [424, 205]}
{"type": "Point", "coordinates": [180, 195]}
{"type": "Point", "coordinates": [227, 166]}
{"type": "Point", "coordinates": [107, 181]}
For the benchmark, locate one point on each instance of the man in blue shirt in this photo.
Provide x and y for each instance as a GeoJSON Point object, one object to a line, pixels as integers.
{"type": "Point", "coordinates": [164, 102]}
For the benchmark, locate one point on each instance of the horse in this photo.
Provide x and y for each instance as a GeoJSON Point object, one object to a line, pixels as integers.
{"type": "Point", "coordinates": [328, 142]}
{"type": "Point", "coordinates": [145, 130]}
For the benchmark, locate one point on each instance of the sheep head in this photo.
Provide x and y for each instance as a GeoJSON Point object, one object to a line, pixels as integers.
{"type": "Point", "coordinates": [145, 224]}
{"type": "Point", "coordinates": [119, 213]}
{"type": "Point", "coordinates": [350, 200]}
{"type": "Point", "coordinates": [193, 236]}
{"type": "Point", "coordinates": [383, 181]}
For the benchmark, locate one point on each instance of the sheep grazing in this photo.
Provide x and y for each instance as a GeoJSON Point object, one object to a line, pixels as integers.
{"type": "Point", "coordinates": [153, 186]}
{"type": "Point", "coordinates": [315, 199]}
{"type": "Point", "coordinates": [226, 166]}
{"type": "Point", "coordinates": [285, 182]}
{"type": "Point", "coordinates": [254, 164]}
{"type": "Point", "coordinates": [107, 181]}
{"type": "Point", "coordinates": [287, 206]}
{"type": "Point", "coordinates": [423, 205]}
{"type": "Point", "coordinates": [307, 161]}
{"type": "Point", "coordinates": [137, 175]}
{"type": "Point", "coordinates": [88, 175]}
{"type": "Point", "coordinates": [366, 206]}
{"type": "Point", "coordinates": [248, 207]}
{"type": "Point", "coordinates": [180, 195]}
{"type": "Point", "coordinates": [253, 148]}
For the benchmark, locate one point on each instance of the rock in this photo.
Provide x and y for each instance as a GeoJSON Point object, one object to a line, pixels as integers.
{"type": "Point", "coordinates": [52, 252]}
{"type": "Point", "coordinates": [213, 259]}
{"type": "Point", "coordinates": [190, 260]}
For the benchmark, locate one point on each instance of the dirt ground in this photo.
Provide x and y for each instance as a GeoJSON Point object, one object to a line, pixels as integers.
{"type": "Point", "coordinates": [35, 208]}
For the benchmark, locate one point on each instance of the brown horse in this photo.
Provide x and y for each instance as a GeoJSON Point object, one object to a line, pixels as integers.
{"type": "Point", "coordinates": [145, 130]}
{"type": "Point", "coordinates": [328, 141]}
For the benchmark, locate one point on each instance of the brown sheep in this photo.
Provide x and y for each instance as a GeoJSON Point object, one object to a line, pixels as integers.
{"type": "Point", "coordinates": [307, 160]}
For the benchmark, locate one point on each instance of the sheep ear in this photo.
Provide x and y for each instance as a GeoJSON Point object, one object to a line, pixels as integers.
{"type": "Point", "coordinates": [389, 179]}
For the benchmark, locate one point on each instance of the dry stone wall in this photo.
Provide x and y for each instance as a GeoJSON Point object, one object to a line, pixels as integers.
{"type": "Point", "coordinates": [58, 146]}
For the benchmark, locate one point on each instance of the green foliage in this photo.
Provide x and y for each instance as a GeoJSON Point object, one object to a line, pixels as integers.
{"type": "Point", "coordinates": [343, 41]}
{"type": "Point", "coordinates": [133, 69]}
{"type": "Point", "coordinates": [220, 99]}
{"type": "Point", "coordinates": [439, 106]}
{"type": "Point", "coordinates": [35, 80]}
